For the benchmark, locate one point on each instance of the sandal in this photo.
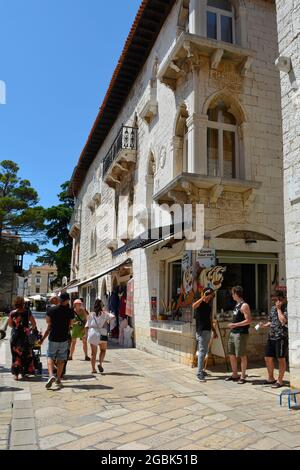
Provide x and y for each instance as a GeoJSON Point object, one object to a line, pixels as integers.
{"type": "Point", "coordinates": [277, 385]}
{"type": "Point", "coordinates": [232, 379]}
{"type": "Point", "coordinates": [241, 381]}
{"type": "Point", "coordinates": [270, 383]}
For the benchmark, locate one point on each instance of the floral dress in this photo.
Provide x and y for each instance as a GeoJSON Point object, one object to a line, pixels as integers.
{"type": "Point", "coordinates": [21, 351]}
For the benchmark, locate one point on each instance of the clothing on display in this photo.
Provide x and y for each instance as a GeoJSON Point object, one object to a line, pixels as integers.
{"type": "Point", "coordinates": [130, 298]}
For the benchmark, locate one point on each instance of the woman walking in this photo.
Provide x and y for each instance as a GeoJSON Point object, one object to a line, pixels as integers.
{"type": "Point", "coordinates": [78, 330]}
{"type": "Point", "coordinates": [21, 321]}
{"type": "Point", "coordinates": [97, 333]}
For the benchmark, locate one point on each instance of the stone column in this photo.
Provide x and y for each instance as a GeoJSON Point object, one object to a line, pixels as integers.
{"type": "Point", "coordinates": [197, 139]}
{"type": "Point", "coordinates": [202, 150]}
{"type": "Point", "coordinates": [196, 17]}
{"type": "Point", "coordinates": [177, 151]}
{"type": "Point", "coordinates": [245, 169]}
{"type": "Point", "coordinates": [241, 33]}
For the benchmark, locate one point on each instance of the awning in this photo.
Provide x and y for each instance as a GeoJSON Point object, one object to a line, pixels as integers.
{"type": "Point", "coordinates": [151, 237]}
{"type": "Point", "coordinates": [66, 288]}
{"type": "Point", "coordinates": [239, 257]}
{"type": "Point", "coordinates": [103, 273]}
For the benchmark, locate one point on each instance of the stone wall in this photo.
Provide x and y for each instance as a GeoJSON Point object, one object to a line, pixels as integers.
{"type": "Point", "coordinates": [288, 16]}
{"type": "Point", "coordinates": [258, 94]}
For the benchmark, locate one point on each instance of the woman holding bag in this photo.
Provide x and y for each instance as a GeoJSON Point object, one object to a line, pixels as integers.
{"type": "Point", "coordinates": [97, 333]}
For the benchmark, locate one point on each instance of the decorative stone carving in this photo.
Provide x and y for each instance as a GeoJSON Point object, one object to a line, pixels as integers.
{"type": "Point", "coordinates": [225, 75]}
{"type": "Point", "coordinates": [163, 157]}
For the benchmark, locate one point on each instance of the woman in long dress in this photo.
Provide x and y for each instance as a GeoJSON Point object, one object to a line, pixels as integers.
{"type": "Point", "coordinates": [21, 321]}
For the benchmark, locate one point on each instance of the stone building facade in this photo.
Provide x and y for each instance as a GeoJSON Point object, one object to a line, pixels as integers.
{"type": "Point", "coordinates": [288, 15]}
{"type": "Point", "coordinates": [39, 280]}
{"type": "Point", "coordinates": [199, 123]}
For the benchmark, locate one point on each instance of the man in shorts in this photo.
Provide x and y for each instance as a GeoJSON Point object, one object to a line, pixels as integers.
{"type": "Point", "coordinates": [238, 337]}
{"type": "Point", "coordinates": [59, 320]}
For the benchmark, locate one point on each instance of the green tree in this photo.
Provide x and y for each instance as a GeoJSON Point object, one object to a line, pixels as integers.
{"type": "Point", "coordinates": [19, 213]}
{"type": "Point", "coordinates": [57, 230]}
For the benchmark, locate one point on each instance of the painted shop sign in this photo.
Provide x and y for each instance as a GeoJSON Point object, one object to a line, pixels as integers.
{"type": "Point", "coordinates": [206, 258]}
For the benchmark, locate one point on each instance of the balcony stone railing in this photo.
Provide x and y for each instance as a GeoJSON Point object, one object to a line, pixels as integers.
{"type": "Point", "coordinates": [75, 221]}
{"type": "Point", "coordinates": [125, 140]}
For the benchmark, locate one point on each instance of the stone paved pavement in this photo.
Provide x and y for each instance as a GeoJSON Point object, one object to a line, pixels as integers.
{"type": "Point", "coordinates": [142, 402]}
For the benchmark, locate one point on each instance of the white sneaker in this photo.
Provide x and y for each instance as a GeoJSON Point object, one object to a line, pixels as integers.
{"type": "Point", "coordinates": [50, 382]}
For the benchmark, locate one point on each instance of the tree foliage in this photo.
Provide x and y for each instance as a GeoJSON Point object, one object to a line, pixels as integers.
{"type": "Point", "coordinates": [19, 212]}
{"type": "Point", "coordinates": [57, 229]}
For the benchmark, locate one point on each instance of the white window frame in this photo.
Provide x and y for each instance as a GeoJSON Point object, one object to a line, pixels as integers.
{"type": "Point", "coordinates": [186, 152]}
{"type": "Point", "coordinates": [221, 127]}
{"type": "Point", "coordinates": [220, 13]}
{"type": "Point", "coordinates": [168, 276]}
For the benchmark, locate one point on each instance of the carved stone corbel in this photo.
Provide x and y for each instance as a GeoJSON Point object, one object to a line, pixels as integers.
{"type": "Point", "coordinates": [178, 197]}
{"type": "Point", "coordinates": [188, 48]}
{"type": "Point", "coordinates": [121, 168]}
{"type": "Point", "coordinates": [246, 65]}
{"type": "Point", "coordinates": [248, 198]}
{"type": "Point", "coordinates": [191, 191]}
{"type": "Point", "coordinates": [216, 58]}
{"type": "Point", "coordinates": [215, 193]}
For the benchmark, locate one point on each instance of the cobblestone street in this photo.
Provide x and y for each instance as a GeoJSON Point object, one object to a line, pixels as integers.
{"type": "Point", "coordinates": [142, 402]}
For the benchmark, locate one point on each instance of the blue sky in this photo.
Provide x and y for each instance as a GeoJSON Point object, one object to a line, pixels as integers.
{"type": "Point", "coordinates": [56, 59]}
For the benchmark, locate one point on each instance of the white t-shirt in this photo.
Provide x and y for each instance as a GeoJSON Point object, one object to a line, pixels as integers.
{"type": "Point", "coordinates": [101, 322]}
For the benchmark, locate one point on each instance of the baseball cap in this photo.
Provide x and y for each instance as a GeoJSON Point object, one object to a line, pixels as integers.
{"type": "Point", "coordinates": [77, 302]}
{"type": "Point", "coordinates": [64, 296]}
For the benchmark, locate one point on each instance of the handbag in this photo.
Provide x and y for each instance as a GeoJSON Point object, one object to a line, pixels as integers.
{"type": "Point", "coordinates": [94, 335]}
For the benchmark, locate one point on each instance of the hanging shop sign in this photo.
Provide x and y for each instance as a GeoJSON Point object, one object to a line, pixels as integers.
{"type": "Point", "coordinates": [206, 258]}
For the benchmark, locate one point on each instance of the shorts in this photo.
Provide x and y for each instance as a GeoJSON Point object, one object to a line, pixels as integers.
{"type": "Point", "coordinates": [103, 339]}
{"type": "Point", "coordinates": [58, 351]}
{"type": "Point", "coordinates": [277, 348]}
{"type": "Point", "coordinates": [237, 344]}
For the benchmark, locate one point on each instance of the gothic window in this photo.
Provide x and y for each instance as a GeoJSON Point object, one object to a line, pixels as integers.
{"type": "Point", "coordinates": [220, 21]}
{"type": "Point", "coordinates": [222, 142]}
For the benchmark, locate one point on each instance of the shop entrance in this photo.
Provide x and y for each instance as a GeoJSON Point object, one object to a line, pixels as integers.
{"type": "Point", "coordinates": [255, 280]}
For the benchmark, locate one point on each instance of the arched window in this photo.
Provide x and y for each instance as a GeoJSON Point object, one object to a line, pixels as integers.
{"type": "Point", "coordinates": [222, 142]}
{"type": "Point", "coordinates": [220, 20]}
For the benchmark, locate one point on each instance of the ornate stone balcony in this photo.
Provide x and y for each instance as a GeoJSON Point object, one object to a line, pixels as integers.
{"type": "Point", "coordinates": [194, 50]}
{"type": "Point", "coordinates": [185, 188]}
{"type": "Point", "coordinates": [75, 223]}
{"type": "Point", "coordinates": [121, 158]}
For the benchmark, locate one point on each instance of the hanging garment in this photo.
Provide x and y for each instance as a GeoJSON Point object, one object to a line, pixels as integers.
{"type": "Point", "coordinates": [123, 326]}
{"type": "Point", "coordinates": [128, 342]}
{"type": "Point", "coordinates": [122, 308]}
{"type": "Point", "coordinates": [130, 298]}
{"type": "Point", "coordinates": [114, 302]}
